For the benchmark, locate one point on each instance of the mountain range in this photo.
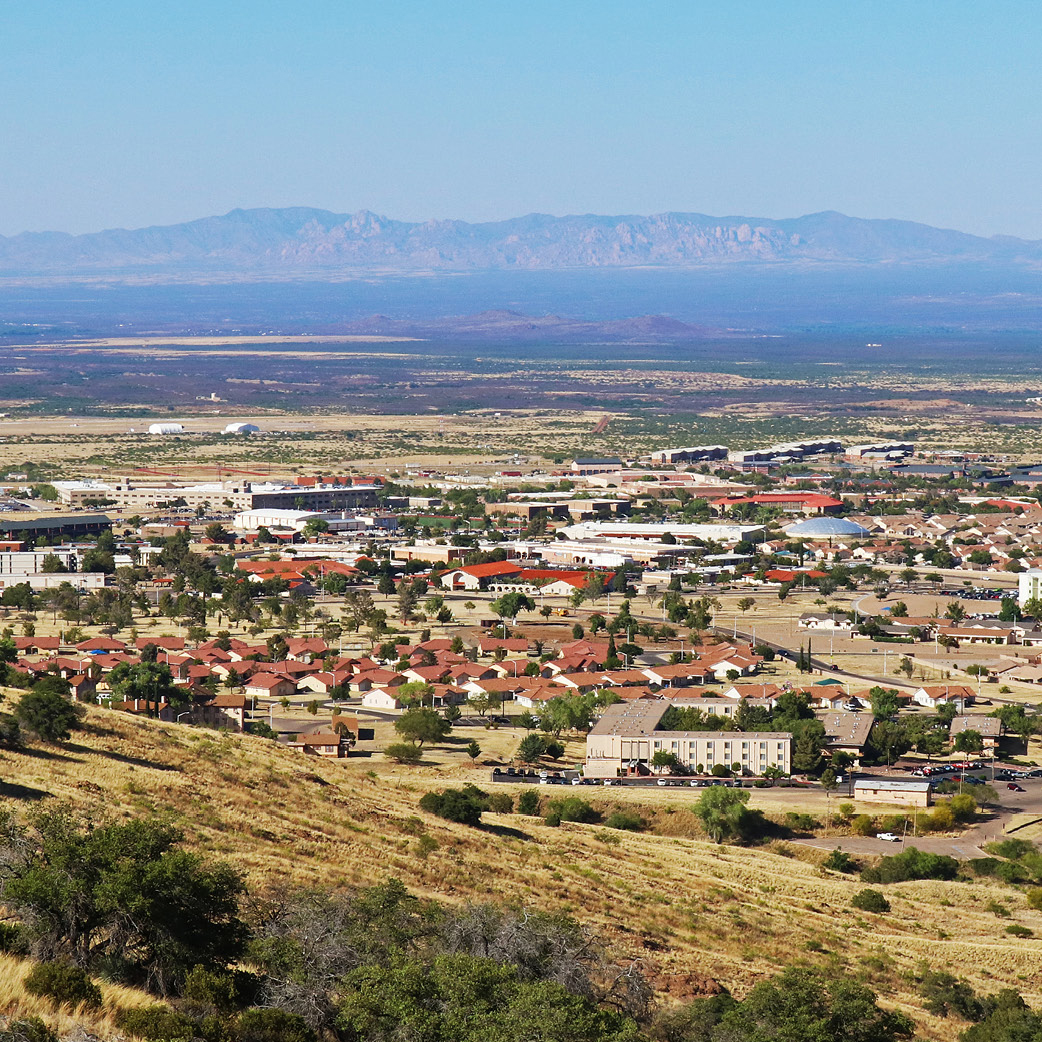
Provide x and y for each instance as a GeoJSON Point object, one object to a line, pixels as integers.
{"type": "Point", "coordinates": [298, 240]}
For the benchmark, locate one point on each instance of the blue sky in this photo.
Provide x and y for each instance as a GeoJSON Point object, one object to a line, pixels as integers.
{"type": "Point", "coordinates": [120, 114]}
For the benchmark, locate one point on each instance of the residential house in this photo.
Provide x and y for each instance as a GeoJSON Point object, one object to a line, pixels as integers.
{"type": "Point", "coordinates": [269, 685]}
{"type": "Point", "coordinates": [322, 743]}
{"type": "Point", "coordinates": [936, 695]}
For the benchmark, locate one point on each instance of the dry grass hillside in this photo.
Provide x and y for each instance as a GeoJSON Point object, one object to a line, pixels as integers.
{"type": "Point", "coordinates": [691, 911]}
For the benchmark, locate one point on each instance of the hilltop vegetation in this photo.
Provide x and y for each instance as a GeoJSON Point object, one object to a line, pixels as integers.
{"type": "Point", "coordinates": [695, 918]}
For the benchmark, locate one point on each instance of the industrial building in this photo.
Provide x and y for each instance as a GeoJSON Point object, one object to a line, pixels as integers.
{"type": "Point", "coordinates": [692, 454]}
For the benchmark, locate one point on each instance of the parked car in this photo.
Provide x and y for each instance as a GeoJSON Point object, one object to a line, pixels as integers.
{"type": "Point", "coordinates": [889, 837]}
{"type": "Point", "coordinates": [1014, 787]}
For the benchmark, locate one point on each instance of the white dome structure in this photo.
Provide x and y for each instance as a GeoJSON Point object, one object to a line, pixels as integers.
{"type": "Point", "coordinates": [166, 428]}
{"type": "Point", "coordinates": [241, 428]}
{"type": "Point", "coordinates": [827, 528]}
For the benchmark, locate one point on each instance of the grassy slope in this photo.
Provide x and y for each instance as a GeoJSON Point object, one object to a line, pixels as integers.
{"type": "Point", "coordinates": [685, 907]}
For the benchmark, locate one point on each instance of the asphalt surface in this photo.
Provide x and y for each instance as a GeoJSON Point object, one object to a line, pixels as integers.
{"type": "Point", "coordinates": [967, 845]}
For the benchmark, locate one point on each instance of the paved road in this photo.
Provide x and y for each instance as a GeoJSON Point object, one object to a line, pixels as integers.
{"type": "Point", "coordinates": [967, 845]}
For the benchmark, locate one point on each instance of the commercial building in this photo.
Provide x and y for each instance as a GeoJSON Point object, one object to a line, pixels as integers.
{"type": "Point", "coordinates": [656, 531]}
{"type": "Point", "coordinates": [23, 527]}
{"type": "Point", "coordinates": [626, 738]}
{"type": "Point", "coordinates": [239, 495]}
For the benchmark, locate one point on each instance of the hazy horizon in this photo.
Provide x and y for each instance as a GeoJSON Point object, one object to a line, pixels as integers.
{"type": "Point", "coordinates": [128, 116]}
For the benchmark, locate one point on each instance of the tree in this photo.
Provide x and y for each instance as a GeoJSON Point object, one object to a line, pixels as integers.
{"type": "Point", "coordinates": [810, 1005]}
{"type": "Point", "coordinates": [422, 725]}
{"type": "Point", "coordinates": [807, 752]}
{"type": "Point", "coordinates": [460, 805]}
{"type": "Point", "coordinates": [955, 612]}
{"type": "Point", "coordinates": [149, 682]}
{"type": "Point", "coordinates": [385, 584]}
{"type": "Point", "coordinates": [473, 750]}
{"type": "Point", "coordinates": [745, 603]}
{"type": "Point", "coordinates": [510, 605]}
{"type": "Point", "coordinates": [969, 741]}
{"type": "Point", "coordinates": [51, 564]}
{"type": "Point", "coordinates": [483, 701]}
{"type": "Point", "coordinates": [404, 752]}
{"type": "Point", "coordinates": [885, 702]}
{"type": "Point", "coordinates": [899, 610]}
{"type": "Point", "coordinates": [47, 713]}
{"type": "Point", "coordinates": [531, 748]}
{"type": "Point", "coordinates": [723, 813]}
{"type": "Point", "coordinates": [468, 998]}
{"type": "Point", "coordinates": [120, 894]}
{"type": "Point", "coordinates": [667, 761]}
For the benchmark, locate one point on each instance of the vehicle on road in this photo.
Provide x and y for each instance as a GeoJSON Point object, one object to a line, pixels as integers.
{"type": "Point", "coordinates": [1014, 787]}
{"type": "Point", "coordinates": [889, 837]}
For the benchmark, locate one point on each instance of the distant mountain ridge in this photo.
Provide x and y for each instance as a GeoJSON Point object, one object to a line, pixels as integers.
{"type": "Point", "coordinates": [299, 239]}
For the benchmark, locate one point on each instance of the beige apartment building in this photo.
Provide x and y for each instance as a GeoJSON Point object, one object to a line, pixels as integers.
{"type": "Point", "coordinates": [627, 737]}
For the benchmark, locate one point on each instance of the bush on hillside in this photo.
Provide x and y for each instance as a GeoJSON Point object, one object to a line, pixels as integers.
{"type": "Point", "coordinates": [460, 805]}
{"type": "Point", "coordinates": [404, 752]}
{"type": "Point", "coordinates": [31, 1030]}
{"type": "Point", "coordinates": [870, 901]}
{"type": "Point", "coordinates": [911, 864]}
{"type": "Point", "coordinates": [625, 820]}
{"type": "Point", "coordinates": [273, 1025]}
{"type": "Point", "coordinates": [154, 1023]}
{"type": "Point", "coordinates": [63, 983]}
{"type": "Point", "coordinates": [528, 803]}
{"type": "Point", "coordinates": [840, 861]}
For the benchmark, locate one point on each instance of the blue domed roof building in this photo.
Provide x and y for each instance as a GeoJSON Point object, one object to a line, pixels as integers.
{"type": "Point", "coordinates": [827, 528]}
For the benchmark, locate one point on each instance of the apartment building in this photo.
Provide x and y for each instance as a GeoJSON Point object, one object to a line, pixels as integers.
{"type": "Point", "coordinates": [627, 737]}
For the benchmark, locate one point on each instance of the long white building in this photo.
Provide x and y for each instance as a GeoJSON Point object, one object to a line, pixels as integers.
{"type": "Point", "coordinates": [655, 531]}
{"type": "Point", "coordinates": [627, 737]}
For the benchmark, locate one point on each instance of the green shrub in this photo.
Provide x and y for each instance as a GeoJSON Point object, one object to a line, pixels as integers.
{"type": "Point", "coordinates": [1016, 930]}
{"type": "Point", "coordinates": [1035, 898]}
{"type": "Point", "coordinates": [528, 803]}
{"type": "Point", "coordinates": [13, 939]}
{"type": "Point", "coordinates": [870, 901]}
{"type": "Point", "coordinates": [863, 825]}
{"type": "Point", "coordinates": [911, 864]}
{"type": "Point", "coordinates": [997, 909]}
{"type": "Point", "coordinates": [501, 803]}
{"type": "Point", "coordinates": [626, 820]}
{"type": "Point", "coordinates": [273, 1025]}
{"type": "Point", "coordinates": [1011, 848]}
{"type": "Point", "coordinates": [1011, 872]}
{"type": "Point", "coordinates": [31, 1030]}
{"type": "Point", "coordinates": [225, 990]}
{"type": "Point", "coordinates": [404, 752]}
{"type": "Point", "coordinates": [64, 983]}
{"type": "Point", "coordinates": [155, 1023]}
{"type": "Point", "coordinates": [552, 818]}
{"type": "Point", "coordinates": [984, 866]}
{"type": "Point", "coordinates": [840, 861]}
{"type": "Point", "coordinates": [945, 995]}
{"type": "Point", "coordinates": [460, 805]}
{"type": "Point", "coordinates": [801, 822]}
{"type": "Point", "coordinates": [574, 808]}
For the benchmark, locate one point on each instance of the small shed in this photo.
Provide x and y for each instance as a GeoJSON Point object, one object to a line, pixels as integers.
{"type": "Point", "coordinates": [907, 792]}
